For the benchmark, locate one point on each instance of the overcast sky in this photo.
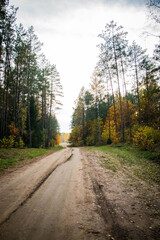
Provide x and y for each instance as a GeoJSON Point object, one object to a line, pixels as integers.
{"type": "Point", "coordinates": [69, 30]}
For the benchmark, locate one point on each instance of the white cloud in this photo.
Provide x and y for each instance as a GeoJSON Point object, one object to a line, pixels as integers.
{"type": "Point", "coordinates": [69, 32]}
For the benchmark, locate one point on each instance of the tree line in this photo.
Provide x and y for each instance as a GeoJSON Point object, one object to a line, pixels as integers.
{"type": "Point", "coordinates": [29, 86]}
{"type": "Point", "coordinates": [122, 104]}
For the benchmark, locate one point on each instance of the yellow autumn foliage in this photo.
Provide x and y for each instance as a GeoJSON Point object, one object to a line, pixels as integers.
{"type": "Point", "coordinates": [105, 134]}
{"type": "Point", "coordinates": [58, 139]}
{"type": "Point", "coordinates": [147, 138]}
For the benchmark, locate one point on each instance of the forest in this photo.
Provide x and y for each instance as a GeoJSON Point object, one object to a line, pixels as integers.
{"type": "Point", "coordinates": [30, 87]}
{"type": "Point", "coordinates": [122, 104]}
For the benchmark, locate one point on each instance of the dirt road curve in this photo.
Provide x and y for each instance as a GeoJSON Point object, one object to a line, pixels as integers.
{"type": "Point", "coordinates": [62, 197]}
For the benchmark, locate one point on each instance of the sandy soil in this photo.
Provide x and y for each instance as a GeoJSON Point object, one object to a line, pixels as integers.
{"type": "Point", "coordinates": [78, 200]}
{"type": "Point", "coordinates": [130, 207]}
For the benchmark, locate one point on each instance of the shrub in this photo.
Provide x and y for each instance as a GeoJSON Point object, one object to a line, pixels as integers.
{"type": "Point", "coordinates": [147, 138]}
{"type": "Point", "coordinates": [7, 142]}
{"type": "Point", "coordinates": [52, 142]}
{"type": "Point", "coordinates": [20, 143]}
{"type": "Point", "coordinates": [90, 141]}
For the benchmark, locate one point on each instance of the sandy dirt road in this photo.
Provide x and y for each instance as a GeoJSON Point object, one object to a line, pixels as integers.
{"type": "Point", "coordinates": [77, 199]}
{"type": "Point", "coordinates": [56, 209]}
{"type": "Point", "coordinates": [18, 185]}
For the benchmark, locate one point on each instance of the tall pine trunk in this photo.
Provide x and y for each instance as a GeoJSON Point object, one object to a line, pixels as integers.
{"type": "Point", "coordinates": [119, 92]}
{"type": "Point", "coordinates": [126, 97]}
{"type": "Point", "coordinates": [137, 89]}
{"type": "Point", "coordinates": [28, 104]}
{"type": "Point", "coordinates": [114, 104]}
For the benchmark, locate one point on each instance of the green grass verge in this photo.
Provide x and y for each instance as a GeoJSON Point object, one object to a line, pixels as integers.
{"type": "Point", "coordinates": [142, 164]}
{"type": "Point", "coordinates": [11, 157]}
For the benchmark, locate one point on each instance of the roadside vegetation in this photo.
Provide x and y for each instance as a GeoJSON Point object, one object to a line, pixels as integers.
{"type": "Point", "coordinates": [12, 157]}
{"type": "Point", "coordinates": [136, 163]}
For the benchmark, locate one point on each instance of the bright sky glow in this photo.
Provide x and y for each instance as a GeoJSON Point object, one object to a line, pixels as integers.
{"type": "Point", "coordinates": [69, 31]}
